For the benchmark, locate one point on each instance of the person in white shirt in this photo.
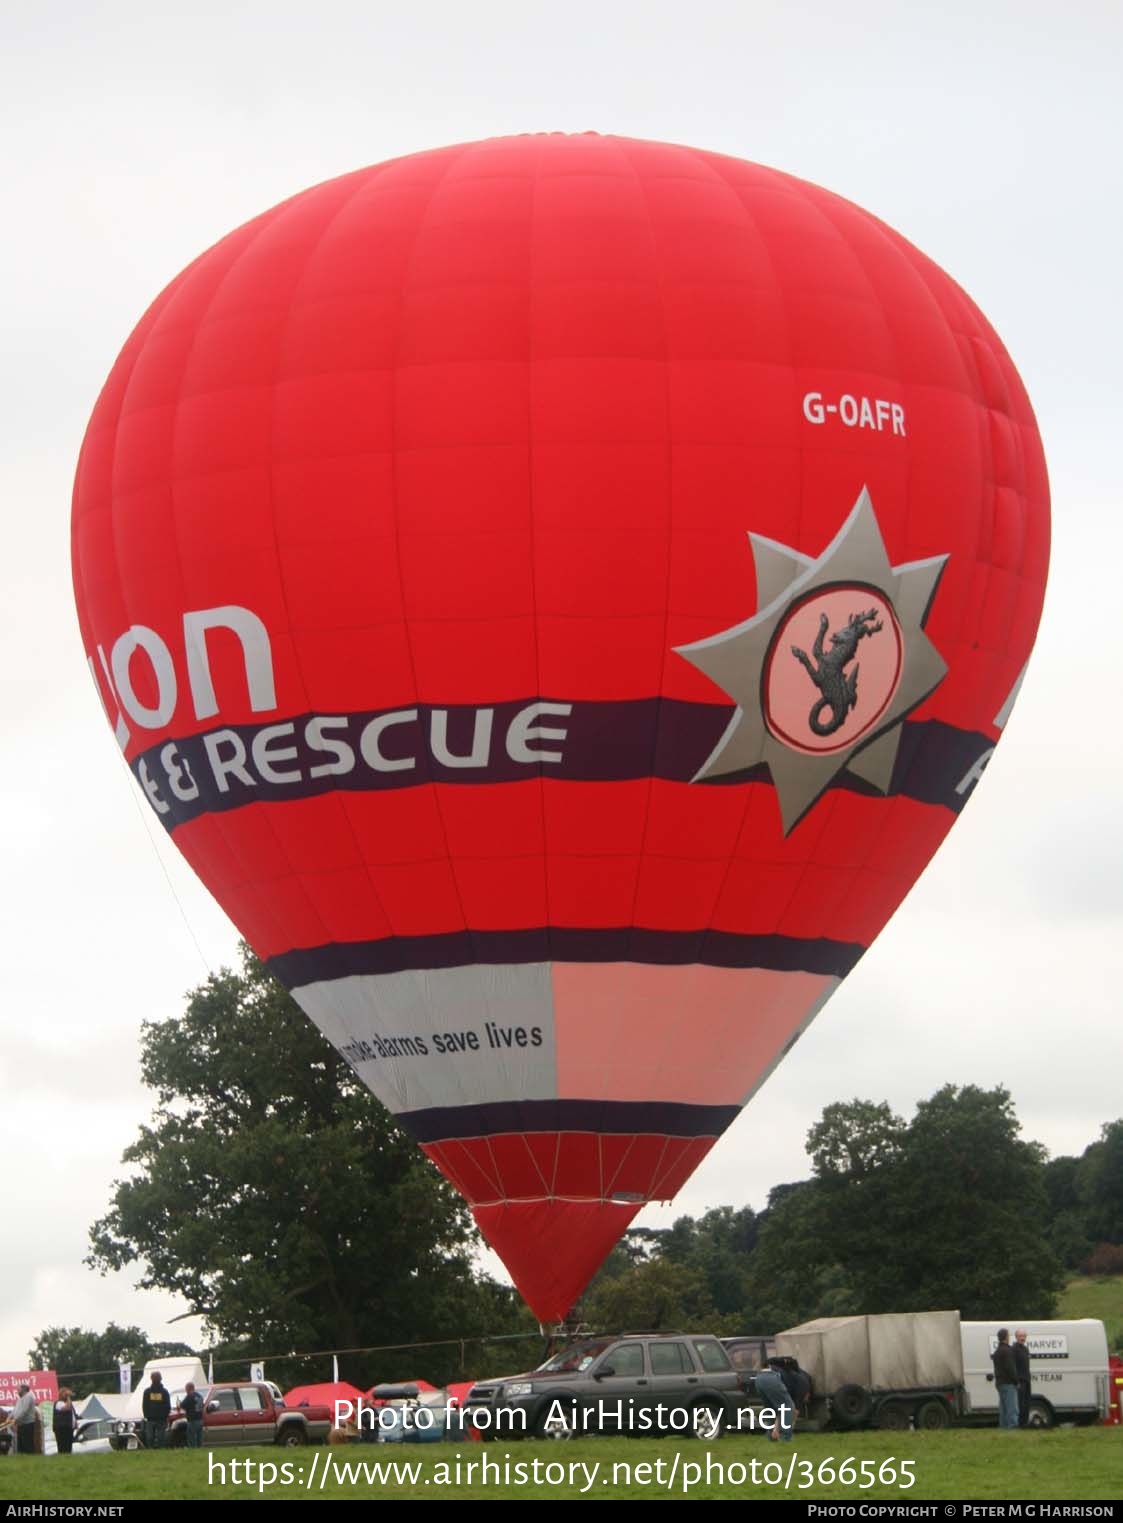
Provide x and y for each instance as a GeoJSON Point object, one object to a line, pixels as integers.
{"type": "Point", "coordinates": [22, 1419]}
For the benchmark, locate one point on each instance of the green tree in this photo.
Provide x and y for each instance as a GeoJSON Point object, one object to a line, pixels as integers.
{"type": "Point", "coordinates": [1068, 1238]}
{"type": "Point", "coordinates": [796, 1271]}
{"type": "Point", "coordinates": [854, 1138]}
{"type": "Point", "coordinates": [1065, 1212]}
{"type": "Point", "coordinates": [87, 1361]}
{"type": "Point", "coordinates": [280, 1200]}
{"type": "Point", "coordinates": [718, 1245]}
{"type": "Point", "coordinates": [653, 1296]}
{"type": "Point", "coordinates": [946, 1211]}
{"type": "Point", "coordinates": [1099, 1183]}
{"type": "Point", "coordinates": [958, 1218]}
{"type": "Point", "coordinates": [1059, 1178]}
{"type": "Point", "coordinates": [715, 1247]}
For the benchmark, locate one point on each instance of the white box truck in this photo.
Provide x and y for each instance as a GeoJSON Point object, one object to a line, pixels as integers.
{"type": "Point", "coordinates": [1068, 1370]}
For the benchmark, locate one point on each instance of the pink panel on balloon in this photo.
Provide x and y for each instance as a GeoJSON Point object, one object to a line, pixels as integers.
{"type": "Point", "coordinates": [696, 1035]}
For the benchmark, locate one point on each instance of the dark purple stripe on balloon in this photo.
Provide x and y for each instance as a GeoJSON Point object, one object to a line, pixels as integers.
{"type": "Point", "coordinates": [662, 1118]}
{"type": "Point", "coordinates": [590, 742]}
{"type": "Point", "coordinates": [456, 949]}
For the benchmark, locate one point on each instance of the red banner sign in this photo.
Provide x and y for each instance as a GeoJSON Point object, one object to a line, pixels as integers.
{"type": "Point", "coordinates": [44, 1383]}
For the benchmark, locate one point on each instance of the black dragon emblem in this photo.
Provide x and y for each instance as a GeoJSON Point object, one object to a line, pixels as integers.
{"type": "Point", "coordinates": [839, 688]}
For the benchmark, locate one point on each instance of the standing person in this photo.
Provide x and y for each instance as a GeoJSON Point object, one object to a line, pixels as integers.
{"type": "Point", "coordinates": [192, 1408]}
{"type": "Point", "coordinates": [156, 1406]}
{"type": "Point", "coordinates": [770, 1386]}
{"type": "Point", "coordinates": [22, 1418]}
{"type": "Point", "coordinates": [1021, 1362]}
{"type": "Point", "coordinates": [1006, 1380]}
{"type": "Point", "coordinates": [64, 1421]}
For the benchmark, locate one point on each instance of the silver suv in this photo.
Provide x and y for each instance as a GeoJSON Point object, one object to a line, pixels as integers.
{"type": "Point", "coordinates": [640, 1383]}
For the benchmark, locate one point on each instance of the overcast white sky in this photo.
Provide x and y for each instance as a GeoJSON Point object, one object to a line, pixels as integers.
{"type": "Point", "coordinates": [136, 134]}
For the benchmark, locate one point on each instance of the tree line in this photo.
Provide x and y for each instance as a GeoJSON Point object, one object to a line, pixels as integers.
{"type": "Point", "coordinates": [281, 1203]}
{"type": "Point", "coordinates": [953, 1209]}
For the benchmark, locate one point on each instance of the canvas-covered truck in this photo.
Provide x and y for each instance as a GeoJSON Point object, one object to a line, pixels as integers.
{"type": "Point", "coordinates": [892, 1371]}
{"type": "Point", "coordinates": [1069, 1374]}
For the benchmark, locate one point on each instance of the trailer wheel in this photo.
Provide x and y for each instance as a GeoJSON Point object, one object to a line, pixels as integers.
{"type": "Point", "coordinates": [894, 1415]}
{"type": "Point", "coordinates": [851, 1406]}
{"type": "Point", "coordinates": [931, 1415]}
{"type": "Point", "coordinates": [1040, 1414]}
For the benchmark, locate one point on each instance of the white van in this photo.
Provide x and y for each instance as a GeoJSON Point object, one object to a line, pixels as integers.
{"type": "Point", "coordinates": [1068, 1370]}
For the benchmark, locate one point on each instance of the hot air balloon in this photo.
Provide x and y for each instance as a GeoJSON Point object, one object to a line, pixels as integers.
{"type": "Point", "coordinates": [558, 592]}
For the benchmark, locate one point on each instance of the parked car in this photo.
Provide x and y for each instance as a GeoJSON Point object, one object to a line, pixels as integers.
{"type": "Point", "coordinates": [626, 1383]}
{"type": "Point", "coordinates": [247, 1412]}
{"type": "Point", "coordinates": [237, 1412]}
{"type": "Point", "coordinates": [97, 1437]}
{"type": "Point", "coordinates": [407, 1417]}
{"type": "Point", "coordinates": [750, 1352]}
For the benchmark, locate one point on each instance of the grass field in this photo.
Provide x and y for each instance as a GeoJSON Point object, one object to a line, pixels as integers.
{"type": "Point", "coordinates": [1096, 1298]}
{"type": "Point", "coordinates": [1064, 1464]}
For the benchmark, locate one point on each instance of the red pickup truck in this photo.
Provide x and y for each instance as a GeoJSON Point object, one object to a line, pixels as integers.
{"type": "Point", "coordinates": [240, 1412]}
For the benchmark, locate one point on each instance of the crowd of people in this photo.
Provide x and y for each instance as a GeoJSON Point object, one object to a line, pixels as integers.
{"type": "Point", "coordinates": [26, 1424]}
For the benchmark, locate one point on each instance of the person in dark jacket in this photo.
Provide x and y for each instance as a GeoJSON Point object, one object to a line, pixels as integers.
{"type": "Point", "coordinates": [192, 1408]}
{"type": "Point", "coordinates": [797, 1381]}
{"type": "Point", "coordinates": [1006, 1380]}
{"type": "Point", "coordinates": [156, 1406]}
{"type": "Point", "coordinates": [1021, 1362]}
{"type": "Point", "coordinates": [64, 1421]}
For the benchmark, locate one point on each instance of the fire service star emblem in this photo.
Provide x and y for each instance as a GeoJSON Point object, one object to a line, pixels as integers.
{"type": "Point", "coordinates": [828, 668]}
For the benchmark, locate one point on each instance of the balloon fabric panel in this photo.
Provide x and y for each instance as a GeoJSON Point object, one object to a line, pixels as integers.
{"type": "Point", "coordinates": [558, 592]}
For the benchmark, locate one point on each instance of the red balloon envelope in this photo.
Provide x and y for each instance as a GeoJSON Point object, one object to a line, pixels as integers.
{"type": "Point", "coordinates": [558, 593]}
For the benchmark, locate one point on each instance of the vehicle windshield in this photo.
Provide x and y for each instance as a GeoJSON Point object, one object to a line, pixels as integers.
{"type": "Point", "coordinates": [579, 1356]}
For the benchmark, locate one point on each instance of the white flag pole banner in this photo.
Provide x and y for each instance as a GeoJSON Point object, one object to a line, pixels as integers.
{"type": "Point", "coordinates": [257, 1373]}
{"type": "Point", "coordinates": [210, 1369]}
{"type": "Point", "coordinates": [125, 1378]}
{"type": "Point", "coordinates": [335, 1369]}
